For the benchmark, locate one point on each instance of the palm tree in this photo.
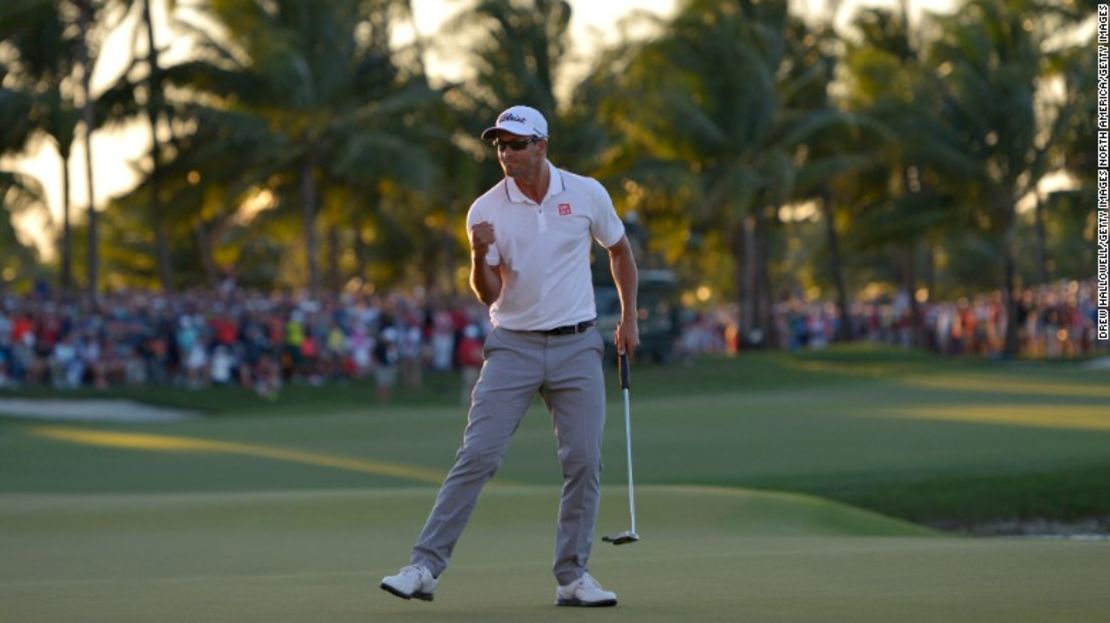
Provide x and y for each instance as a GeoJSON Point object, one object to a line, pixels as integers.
{"type": "Point", "coordinates": [206, 175]}
{"type": "Point", "coordinates": [17, 192]}
{"type": "Point", "coordinates": [129, 99]}
{"type": "Point", "coordinates": [1071, 213]}
{"type": "Point", "coordinates": [988, 63]}
{"type": "Point", "coordinates": [1066, 147]}
{"type": "Point", "coordinates": [18, 262]}
{"type": "Point", "coordinates": [727, 99]}
{"type": "Point", "coordinates": [517, 50]}
{"type": "Point", "coordinates": [87, 12]}
{"type": "Point", "coordinates": [328, 94]}
{"type": "Point", "coordinates": [898, 209]}
{"type": "Point", "coordinates": [44, 56]}
{"type": "Point", "coordinates": [155, 98]}
{"type": "Point", "coordinates": [842, 157]}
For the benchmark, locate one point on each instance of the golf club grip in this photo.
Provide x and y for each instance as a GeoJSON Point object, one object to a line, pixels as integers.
{"type": "Point", "coordinates": [622, 360]}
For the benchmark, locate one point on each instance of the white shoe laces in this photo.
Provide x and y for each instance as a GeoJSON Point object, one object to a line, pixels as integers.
{"type": "Point", "coordinates": [588, 581]}
{"type": "Point", "coordinates": [412, 571]}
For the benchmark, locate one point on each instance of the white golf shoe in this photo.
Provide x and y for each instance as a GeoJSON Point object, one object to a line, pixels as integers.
{"type": "Point", "coordinates": [585, 591]}
{"type": "Point", "coordinates": [411, 581]}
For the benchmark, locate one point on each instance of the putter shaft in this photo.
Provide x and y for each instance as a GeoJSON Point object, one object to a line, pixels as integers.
{"type": "Point", "coordinates": [628, 445]}
{"type": "Point", "coordinates": [629, 536]}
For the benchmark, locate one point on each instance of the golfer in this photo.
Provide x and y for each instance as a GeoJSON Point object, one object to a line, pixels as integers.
{"type": "Point", "coordinates": [530, 262]}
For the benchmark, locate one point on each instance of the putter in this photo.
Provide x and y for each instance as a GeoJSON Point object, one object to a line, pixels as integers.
{"type": "Point", "coordinates": [629, 536]}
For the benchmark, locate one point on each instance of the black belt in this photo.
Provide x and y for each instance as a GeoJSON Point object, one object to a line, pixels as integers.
{"type": "Point", "coordinates": [571, 329]}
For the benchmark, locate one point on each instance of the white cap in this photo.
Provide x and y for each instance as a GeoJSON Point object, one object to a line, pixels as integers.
{"type": "Point", "coordinates": [519, 120]}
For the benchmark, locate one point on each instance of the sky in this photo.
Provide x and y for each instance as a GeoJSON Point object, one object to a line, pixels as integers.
{"type": "Point", "coordinates": [114, 149]}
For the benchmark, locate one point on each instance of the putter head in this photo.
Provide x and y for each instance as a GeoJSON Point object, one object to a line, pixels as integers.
{"type": "Point", "coordinates": [627, 536]}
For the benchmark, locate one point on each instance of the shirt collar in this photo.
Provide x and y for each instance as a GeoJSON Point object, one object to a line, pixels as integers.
{"type": "Point", "coordinates": [555, 186]}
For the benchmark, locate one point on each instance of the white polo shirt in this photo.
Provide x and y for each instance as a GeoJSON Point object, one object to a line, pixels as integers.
{"type": "Point", "coordinates": [545, 249]}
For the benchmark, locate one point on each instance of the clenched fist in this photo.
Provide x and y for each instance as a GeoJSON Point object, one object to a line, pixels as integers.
{"type": "Point", "coordinates": [481, 237]}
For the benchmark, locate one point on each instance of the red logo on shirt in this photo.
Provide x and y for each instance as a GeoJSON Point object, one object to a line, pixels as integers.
{"type": "Point", "coordinates": [564, 209]}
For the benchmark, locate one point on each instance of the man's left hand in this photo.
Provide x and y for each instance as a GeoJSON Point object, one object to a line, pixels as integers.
{"type": "Point", "coordinates": [627, 336]}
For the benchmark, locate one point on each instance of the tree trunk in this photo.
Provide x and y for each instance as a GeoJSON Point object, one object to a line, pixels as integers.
{"type": "Point", "coordinates": [1009, 286]}
{"type": "Point", "coordinates": [844, 327]}
{"type": "Point", "coordinates": [360, 251]}
{"type": "Point", "coordinates": [308, 217]}
{"type": "Point", "coordinates": [749, 293]}
{"type": "Point", "coordinates": [153, 106]}
{"type": "Point", "coordinates": [1044, 275]}
{"type": "Point", "coordinates": [67, 232]}
{"type": "Point", "coordinates": [736, 242]}
{"type": "Point", "coordinates": [334, 278]}
{"type": "Point", "coordinates": [359, 220]}
{"type": "Point", "coordinates": [910, 262]}
{"type": "Point", "coordinates": [917, 326]}
{"type": "Point", "coordinates": [930, 270]}
{"type": "Point", "coordinates": [765, 292]}
{"type": "Point", "coordinates": [88, 118]}
{"type": "Point", "coordinates": [204, 246]}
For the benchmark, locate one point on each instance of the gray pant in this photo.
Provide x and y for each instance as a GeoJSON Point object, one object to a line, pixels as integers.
{"type": "Point", "coordinates": [566, 370]}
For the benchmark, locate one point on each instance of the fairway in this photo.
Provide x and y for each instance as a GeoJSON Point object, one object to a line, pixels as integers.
{"type": "Point", "coordinates": [708, 555]}
{"type": "Point", "coordinates": [753, 478]}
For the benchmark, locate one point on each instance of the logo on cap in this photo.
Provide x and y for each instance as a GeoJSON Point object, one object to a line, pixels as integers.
{"type": "Point", "coordinates": [520, 120]}
{"type": "Point", "coordinates": [508, 116]}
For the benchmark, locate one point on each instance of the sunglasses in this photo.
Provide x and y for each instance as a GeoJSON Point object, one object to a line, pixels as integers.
{"type": "Point", "coordinates": [516, 145]}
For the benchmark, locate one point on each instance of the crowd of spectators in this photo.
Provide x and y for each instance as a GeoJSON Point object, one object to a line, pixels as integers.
{"type": "Point", "coordinates": [1054, 321]}
{"type": "Point", "coordinates": [233, 336]}
{"type": "Point", "coordinates": [263, 340]}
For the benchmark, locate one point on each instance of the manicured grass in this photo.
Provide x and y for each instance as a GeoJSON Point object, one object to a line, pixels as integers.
{"type": "Point", "coordinates": [706, 555]}
{"type": "Point", "coordinates": [292, 510]}
{"type": "Point", "coordinates": [897, 432]}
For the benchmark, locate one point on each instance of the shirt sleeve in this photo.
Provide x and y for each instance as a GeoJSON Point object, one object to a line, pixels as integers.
{"type": "Point", "coordinates": [477, 215]}
{"type": "Point", "coordinates": [607, 228]}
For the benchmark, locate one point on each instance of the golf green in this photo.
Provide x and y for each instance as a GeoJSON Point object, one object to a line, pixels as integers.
{"type": "Point", "coordinates": [293, 510]}
{"type": "Point", "coordinates": [707, 554]}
